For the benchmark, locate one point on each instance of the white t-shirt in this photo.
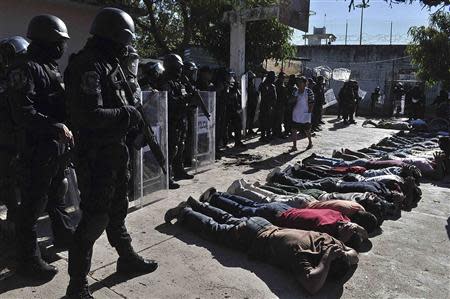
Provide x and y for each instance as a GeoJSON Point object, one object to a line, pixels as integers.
{"type": "Point", "coordinates": [300, 112]}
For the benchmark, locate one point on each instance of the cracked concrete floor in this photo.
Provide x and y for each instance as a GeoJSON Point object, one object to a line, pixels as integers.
{"type": "Point", "coordinates": [410, 259]}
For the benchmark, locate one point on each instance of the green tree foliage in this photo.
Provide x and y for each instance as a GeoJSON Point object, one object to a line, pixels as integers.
{"type": "Point", "coordinates": [165, 26]}
{"type": "Point", "coordinates": [430, 49]}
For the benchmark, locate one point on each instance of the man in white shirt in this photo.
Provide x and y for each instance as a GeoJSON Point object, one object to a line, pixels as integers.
{"type": "Point", "coordinates": [301, 114]}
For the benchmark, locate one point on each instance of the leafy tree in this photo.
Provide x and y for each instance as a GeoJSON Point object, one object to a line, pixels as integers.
{"type": "Point", "coordinates": [165, 26]}
{"type": "Point", "coordinates": [430, 49]}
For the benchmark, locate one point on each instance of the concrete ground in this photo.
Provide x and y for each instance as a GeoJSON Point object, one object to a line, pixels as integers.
{"type": "Point", "coordinates": [410, 259]}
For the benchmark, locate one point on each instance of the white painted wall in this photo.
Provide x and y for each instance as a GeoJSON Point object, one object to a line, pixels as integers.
{"type": "Point", "coordinates": [16, 14]}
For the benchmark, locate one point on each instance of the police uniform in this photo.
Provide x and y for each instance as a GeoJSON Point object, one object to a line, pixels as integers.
{"type": "Point", "coordinates": [266, 109]}
{"type": "Point", "coordinates": [36, 95]}
{"type": "Point", "coordinates": [177, 121]}
{"type": "Point", "coordinates": [102, 118]}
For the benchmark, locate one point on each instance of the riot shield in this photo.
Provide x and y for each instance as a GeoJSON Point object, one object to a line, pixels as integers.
{"type": "Point", "coordinates": [150, 183]}
{"type": "Point", "coordinates": [205, 133]}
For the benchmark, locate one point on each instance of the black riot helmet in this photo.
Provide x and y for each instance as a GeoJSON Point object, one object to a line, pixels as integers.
{"type": "Point", "coordinates": [173, 64]}
{"type": "Point", "coordinates": [153, 69]}
{"type": "Point", "coordinates": [115, 25]}
{"type": "Point", "coordinates": [190, 70]}
{"type": "Point", "coordinates": [173, 61]}
{"type": "Point", "coordinates": [47, 28]}
{"type": "Point", "coordinates": [9, 49]}
{"type": "Point", "coordinates": [190, 66]}
{"type": "Point", "coordinates": [251, 75]}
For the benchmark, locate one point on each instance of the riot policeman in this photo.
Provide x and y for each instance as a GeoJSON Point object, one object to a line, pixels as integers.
{"type": "Point", "coordinates": [178, 102]}
{"type": "Point", "coordinates": [151, 75]}
{"type": "Point", "coordinates": [11, 49]}
{"type": "Point", "coordinates": [204, 78]}
{"type": "Point", "coordinates": [102, 118]}
{"type": "Point", "coordinates": [234, 109]}
{"type": "Point", "coordinates": [189, 79]}
{"type": "Point", "coordinates": [280, 104]}
{"type": "Point", "coordinates": [36, 98]}
{"type": "Point", "coordinates": [319, 97]}
{"type": "Point", "coordinates": [268, 99]}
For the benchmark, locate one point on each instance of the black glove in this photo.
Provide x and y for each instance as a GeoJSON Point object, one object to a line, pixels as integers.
{"type": "Point", "coordinates": [135, 118]}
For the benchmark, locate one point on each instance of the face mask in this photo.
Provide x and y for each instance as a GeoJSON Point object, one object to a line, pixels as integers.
{"type": "Point", "coordinates": [56, 50]}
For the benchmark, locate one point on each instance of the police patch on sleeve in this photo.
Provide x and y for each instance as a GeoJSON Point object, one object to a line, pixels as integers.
{"type": "Point", "coordinates": [90, 83]}
{"type": "Point", "coordinates": [19, 79]}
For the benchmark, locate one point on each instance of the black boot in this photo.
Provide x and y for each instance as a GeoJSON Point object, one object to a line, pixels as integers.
{"type": "Point", "coordinates": [36, 268]}
{"type": "Point", "coordinates": [131, 263]}
{"type": "Point", "coordinates": [78, 290]}
{"type": "Point", "coordinates": [172, 184]}
{"type": "Point", "coordinates": [181, 174]}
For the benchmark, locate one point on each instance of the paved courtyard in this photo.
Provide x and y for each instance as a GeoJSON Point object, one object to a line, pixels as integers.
{"type": "Point", "coordinates": [410, 259]}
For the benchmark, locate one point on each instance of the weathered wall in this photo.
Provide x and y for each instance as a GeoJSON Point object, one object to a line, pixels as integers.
{"type": "Point", "coordinates": [15, 15]}
{"type": "Point", "coordinates": [371, 65]}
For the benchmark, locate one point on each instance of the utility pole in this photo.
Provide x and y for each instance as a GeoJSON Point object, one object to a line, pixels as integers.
{"type": "Point", "coordinates": [390, 36]}
{"type": "Point", "coordinates": [346, 31]}
{"type": "Point", "coordinates": [362, 6]}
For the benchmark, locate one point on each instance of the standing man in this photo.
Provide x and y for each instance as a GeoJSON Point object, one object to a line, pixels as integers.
{"type": "Point", "coordinates": [268, 99]}
{"type": "Point", "coordinates": [252, 102]}
{"type": "Point", "coordinates": [415, 99]}
{"type": "Point", "coordinates": [280, 105]}
{"type": "Point", "coordinates": [36, 98]}
{"type": "Point", "coordinates": [234, 110]}
{"type": "Point", "coordinates": [189, 79]}
{"type": "Point", "coordinates": [178, 103]}
{"type": "Point", "coordinates": [11, 49]}
{"type": "Point", "coordinates": [291, 88]}
{"type": "Point", "coordinates": [374, 98]}
{"type": "Point", "coordinates": [151, 75]}
{"type": "Point", "coordinates": [102, 119]}
{"type": "Point", "coordinates": [301, 114]}
{"type": "Point", "coordinates": [319, 100]}
{"type": "Point", "coordinates": [204, 78]}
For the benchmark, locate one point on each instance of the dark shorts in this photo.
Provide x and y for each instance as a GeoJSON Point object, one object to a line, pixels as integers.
{"type": "Point", "coordinates": [301, 127]}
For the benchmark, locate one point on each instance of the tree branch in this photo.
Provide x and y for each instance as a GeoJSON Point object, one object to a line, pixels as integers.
{"type": "Point", "coordinates": [153, 28]}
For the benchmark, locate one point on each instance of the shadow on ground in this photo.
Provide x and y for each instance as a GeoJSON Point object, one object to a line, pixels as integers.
{"type": "Point", "coordinates": [272, 162]}
{"type": "Point", "coordinates": [278, 281]}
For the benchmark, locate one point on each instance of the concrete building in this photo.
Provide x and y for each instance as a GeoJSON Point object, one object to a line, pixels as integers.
{"type": "Point", "coordinates": [16, 14]}
{"type": "Point", "coordinates": [370, 65]}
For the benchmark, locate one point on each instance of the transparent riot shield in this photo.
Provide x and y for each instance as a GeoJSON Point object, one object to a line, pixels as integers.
{"type": "Point", "coordinates": [150, 183]}
{"type": "Point", "coordinates": [205, 134]}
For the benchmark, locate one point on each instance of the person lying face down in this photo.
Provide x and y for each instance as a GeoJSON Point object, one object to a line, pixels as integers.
{"type": "Point", "coordinates": [346, 203]}
{"type": "Point", "coordinates": [327, 221]}
{"type": "Point", "coordinates": [337, 185]}
{"type": "Point", "coordinates": [310, 256]}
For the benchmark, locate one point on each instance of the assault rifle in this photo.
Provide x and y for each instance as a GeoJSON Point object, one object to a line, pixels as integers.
{"type": "Point", "coordinates": [146, 130]}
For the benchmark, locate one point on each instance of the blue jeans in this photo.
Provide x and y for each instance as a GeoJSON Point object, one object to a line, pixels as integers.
{"type": "Point", "coordinates": [221, 227]}
{"type": "Point", "coordinates": [243, 207]}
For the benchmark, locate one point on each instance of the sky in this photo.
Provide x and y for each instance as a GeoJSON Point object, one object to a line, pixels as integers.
{"type": "Point", "coordinates": [376, 23]}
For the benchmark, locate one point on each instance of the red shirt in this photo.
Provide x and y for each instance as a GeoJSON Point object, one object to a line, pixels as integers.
{"type": "Point", "coordinates": [320, 220]}
{"type": "Point", "coordinates": [350, 169]}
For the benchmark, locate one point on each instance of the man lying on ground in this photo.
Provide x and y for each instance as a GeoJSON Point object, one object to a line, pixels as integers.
{"type": "Point", "coordinates": [327, 221]}
{"type": "Point", "coordinates": [346, 203]}
{"type": "Point", "coordinates": [398, 125]}
{"type": "Point", "coordinates": [310, 256]}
